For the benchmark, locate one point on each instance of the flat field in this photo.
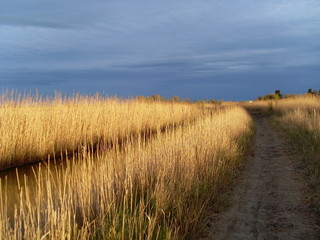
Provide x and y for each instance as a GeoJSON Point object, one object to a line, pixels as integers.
{"type": "Point", "coordinates": [108, 168]}
{"type": "Point", "coordinates": [114, 169]}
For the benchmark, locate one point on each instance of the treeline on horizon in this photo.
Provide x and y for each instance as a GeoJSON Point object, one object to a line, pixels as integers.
{"type": "Point", "coordinates": [277, 95]}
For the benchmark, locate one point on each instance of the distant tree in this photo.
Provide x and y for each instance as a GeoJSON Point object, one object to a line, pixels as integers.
{"type": "Point", "coordinates": [310, 91]}
{"type": "Point", "coordinates": [270, 96]}
{"type": "Point", "coordinates": [277, 92]}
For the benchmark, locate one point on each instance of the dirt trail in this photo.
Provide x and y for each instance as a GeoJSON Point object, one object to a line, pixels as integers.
{"type": "Point", "coordinates": [269, 199]}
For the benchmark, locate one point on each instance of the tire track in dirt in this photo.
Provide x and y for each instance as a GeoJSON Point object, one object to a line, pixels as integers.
{"type": "Point", "coordinates": [269, 199]}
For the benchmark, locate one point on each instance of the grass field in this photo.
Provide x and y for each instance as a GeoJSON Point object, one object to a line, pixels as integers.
{"type": "Point", "coordinates": [300, 119]}
{"type": "Point", "coordinates": [143, 188]}
{"type": "Point", "coordinates": [33, 128]}
{"type": "Point", "coordinates": [109, 168]}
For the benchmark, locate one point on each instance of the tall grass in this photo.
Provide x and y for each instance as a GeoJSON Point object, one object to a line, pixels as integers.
{"type": "Point", "coordinates": [147, 189]}
{"type": "Point", "coordinates": [31, 128]}
{"type": "Point", "coordinates": [299, 118]}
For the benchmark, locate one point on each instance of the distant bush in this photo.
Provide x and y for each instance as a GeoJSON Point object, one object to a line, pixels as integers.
{"type": "Point", "coordinates": [271, 96]}
{"type": "Point", "coordinates": [313, 92]}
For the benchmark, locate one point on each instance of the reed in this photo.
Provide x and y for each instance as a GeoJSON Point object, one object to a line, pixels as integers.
{"type": "Point", "coordinates": [31, 128]}
{"type": "Point", "coordinates": [155, 188]}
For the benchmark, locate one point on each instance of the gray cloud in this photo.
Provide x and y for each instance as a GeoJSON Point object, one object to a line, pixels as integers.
{"type": "Point", "coordinates": [177, 41]}
{"type": "Point", "coordinates": [20, 21]}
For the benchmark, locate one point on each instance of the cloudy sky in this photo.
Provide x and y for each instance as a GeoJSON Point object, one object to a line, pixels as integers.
{"type": "Point", "coordinates": [231, 49]}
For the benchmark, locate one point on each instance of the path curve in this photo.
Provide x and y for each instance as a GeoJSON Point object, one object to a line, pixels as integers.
{"type": "Point", "coordinates": [269, 199]}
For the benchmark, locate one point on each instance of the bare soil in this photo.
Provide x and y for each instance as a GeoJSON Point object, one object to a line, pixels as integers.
{"type": "Point", "coordinates": [269, 200]}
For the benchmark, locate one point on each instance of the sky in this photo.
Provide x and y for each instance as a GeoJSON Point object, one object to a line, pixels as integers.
{"type": "Point", "coordinates": [230, 49]}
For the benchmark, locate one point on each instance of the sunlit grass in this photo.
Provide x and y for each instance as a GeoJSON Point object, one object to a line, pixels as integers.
{"type": "Point", "coordinates": [153, 188]}
{"type": "Point", "coordinates": [299, 119]}
{"type": "Point", "coordinates": [31, 128]}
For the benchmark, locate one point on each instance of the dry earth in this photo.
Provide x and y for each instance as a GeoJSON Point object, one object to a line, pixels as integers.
{"type": "Point", "coordinates": [269, 199]}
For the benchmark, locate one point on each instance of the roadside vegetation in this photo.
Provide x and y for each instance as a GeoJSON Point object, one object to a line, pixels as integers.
{"type": "Point", "coordinates": [299, 118]}
{"type": "Point", "coordinates": [140, 188]}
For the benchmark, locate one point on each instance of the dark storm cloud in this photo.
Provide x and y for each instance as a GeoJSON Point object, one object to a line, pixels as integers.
{"type": "Point", "coordinates": [162, 46]}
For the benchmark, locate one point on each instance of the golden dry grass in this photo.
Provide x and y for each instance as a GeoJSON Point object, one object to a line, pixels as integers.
{"type": "Point", "coordinates": [33, 128]}
{"type": "Point", "coordinates": [299, 119]}
{"type": "Point", "coordinates": [148, 189]}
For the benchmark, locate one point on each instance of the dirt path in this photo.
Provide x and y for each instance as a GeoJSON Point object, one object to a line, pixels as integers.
{"type": "Point", "coordinates": [268, 201]}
